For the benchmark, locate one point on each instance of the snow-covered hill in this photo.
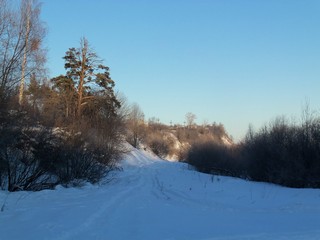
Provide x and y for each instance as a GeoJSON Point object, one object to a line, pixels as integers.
{"type": "Point", "coordinates": [156, 199]}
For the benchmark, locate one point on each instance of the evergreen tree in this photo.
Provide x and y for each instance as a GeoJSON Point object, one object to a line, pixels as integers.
{"type": "Point", "coordinates": [88, 79]}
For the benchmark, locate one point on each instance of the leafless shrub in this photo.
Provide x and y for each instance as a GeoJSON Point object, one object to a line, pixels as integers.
{"type": "Point", "coordinates": [159, 146]}
{"type": "Point", "coordinates": [20, 169]}
{"type": "Point", "coordinates": [213, 158]}
{"type": "Point", "coordinates": [284, 153]}
{"type": "Point", "coordinates": [35, 158]}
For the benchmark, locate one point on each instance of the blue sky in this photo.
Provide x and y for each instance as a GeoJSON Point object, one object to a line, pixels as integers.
{"type": "Point", "coordinates": [231, 61]}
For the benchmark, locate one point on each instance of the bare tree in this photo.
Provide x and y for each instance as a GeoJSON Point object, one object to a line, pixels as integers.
{"type": "Point", "coordinates": [26, 21]}
{"type": "Point", "coordinates": [190, 118]}
{"type": "Point", "coordinates": [135, 125]}
{"type": "Point", "coordinates": [21, 52]}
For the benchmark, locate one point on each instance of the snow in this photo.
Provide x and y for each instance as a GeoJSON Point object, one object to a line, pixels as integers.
{"type": "Point", "coordinates": [156, 199]}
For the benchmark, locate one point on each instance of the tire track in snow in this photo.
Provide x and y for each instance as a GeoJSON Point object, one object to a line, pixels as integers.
{"type": "Point", "coordinates": [130, 185]}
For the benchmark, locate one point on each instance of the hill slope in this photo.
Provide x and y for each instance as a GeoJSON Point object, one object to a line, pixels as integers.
{"type": "Point", "coordinates": [156, 199]}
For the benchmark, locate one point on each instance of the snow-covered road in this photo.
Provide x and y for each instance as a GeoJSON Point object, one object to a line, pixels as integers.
{"type": "Point", "coordinates": [156, 199]}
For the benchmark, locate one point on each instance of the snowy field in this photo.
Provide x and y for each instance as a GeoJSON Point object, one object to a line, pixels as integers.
{"type": "Point", "coordinates": [155, 199]}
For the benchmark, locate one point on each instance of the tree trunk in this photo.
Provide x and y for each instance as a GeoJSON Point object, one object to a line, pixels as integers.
{"type": "Point", "coordinates": [24, 62]}
{"type": "Point", "coordinates": [82, 75]}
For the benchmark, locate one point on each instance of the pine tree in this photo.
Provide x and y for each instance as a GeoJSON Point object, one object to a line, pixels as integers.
{"type": "Point", "coordinates": [90, 79]}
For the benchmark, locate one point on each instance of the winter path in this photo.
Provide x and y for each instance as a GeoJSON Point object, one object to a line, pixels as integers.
{"type": "Point", "coordinates": [156, 199]}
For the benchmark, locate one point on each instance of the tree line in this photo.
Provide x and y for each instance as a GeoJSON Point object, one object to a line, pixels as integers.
{"type": "Point", "coordinates": [283, 152]}
{"type": "Point", "coordinates": [170, 141]}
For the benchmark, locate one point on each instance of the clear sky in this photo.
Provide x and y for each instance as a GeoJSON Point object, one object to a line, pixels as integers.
{"type": "Point", "coordinates": [231, 61]}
